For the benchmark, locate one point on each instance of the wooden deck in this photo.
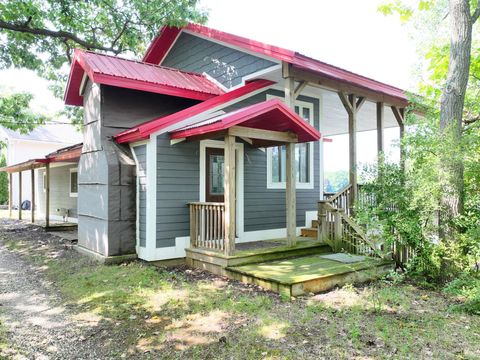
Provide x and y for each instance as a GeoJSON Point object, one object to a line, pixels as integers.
{"type": "Point", "coordinates": [309, 274]}
{"type": "Point", "coordinates": [290, 270]}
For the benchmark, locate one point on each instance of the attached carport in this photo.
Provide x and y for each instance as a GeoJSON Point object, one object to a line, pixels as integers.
{"type": "Point", "coordinates": [69, 154]}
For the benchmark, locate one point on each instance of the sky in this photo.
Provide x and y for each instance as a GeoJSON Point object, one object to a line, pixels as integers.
{"type": "Point", "coordinates": [350, 34]}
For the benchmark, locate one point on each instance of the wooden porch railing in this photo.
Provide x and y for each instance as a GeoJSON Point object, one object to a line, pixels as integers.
{"type": "Point", "coordinates": [207, 225]}
{"type": "Point", "coordinates": [337, 227]}
{"type": "Point", "coordinates": [340, 199]}
{"type": "Point", "coordinates": [338, 230]}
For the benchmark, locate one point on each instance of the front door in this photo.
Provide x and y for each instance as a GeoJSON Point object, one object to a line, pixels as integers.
{"type": "Point", "coordinates": [214, 173]}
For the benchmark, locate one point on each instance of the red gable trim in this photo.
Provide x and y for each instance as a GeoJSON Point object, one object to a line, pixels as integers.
{"type": "Point", "coordinates": [298, 60]}
{"type": "Point", "coordinates": [161, 44]}
{"type": "Point", "coordinates": [143, 131]}
{"type": "Point", "coordinates": [254, 116]}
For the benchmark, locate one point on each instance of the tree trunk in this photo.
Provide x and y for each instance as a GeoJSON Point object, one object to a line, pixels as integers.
{"type": "Point", "coordinates": [451, 111]}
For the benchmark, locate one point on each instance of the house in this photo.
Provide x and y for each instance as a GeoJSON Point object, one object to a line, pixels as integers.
{"type": "Point", "coordinates": [42, 140]}
{"type": "Point", "coordinates": [52, 180]}
{"type": "Point", "coordinates": [213, 141]}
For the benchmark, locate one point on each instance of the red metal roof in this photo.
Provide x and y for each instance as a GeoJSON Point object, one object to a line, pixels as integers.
{"type": "Point", "coordinates": [66, 154]}
{"type": "Point", "coordinates": [144, 130]}
{"type": "Point", "coordinates": [115, 71]}
{"type": "Point", "coordinates": [167, 36]}
{"type": "Point", "coordinates": [268, 115]}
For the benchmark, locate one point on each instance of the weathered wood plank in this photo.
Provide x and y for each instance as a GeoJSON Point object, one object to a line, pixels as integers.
{"type": "Point", "coordinates": [290, 188]}
{"type": "Point", "coordinates": [229, 194]}
{"type": "Point", "coordinates": [252, 133]}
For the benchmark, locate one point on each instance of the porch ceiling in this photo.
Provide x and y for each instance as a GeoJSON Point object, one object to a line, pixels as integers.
{"type": "Point", "coordinates": [333, 116]}
{"type": "Point", "coordinates": [267, 124]}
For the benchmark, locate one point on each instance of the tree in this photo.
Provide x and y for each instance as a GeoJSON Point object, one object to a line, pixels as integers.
{"type": "Point", "coordinates": [451, 81]}
{"type": "Point", "coordinates": [15, 113]}
{"type": "Point", "coordinates": [41, 34]}
{"type": "Point", "coordinates": [452, 107]}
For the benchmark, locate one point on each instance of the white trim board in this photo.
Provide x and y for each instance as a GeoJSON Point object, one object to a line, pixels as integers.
{"type": "Point", "coordinates": [238, 48]}
{"type": "Point", "coordinates": [239, 180]}
{"type": "Point", "coordinates": [137, 196]}
{"type": "Point", "coordinates": [208, 113]}
{"type": "Point", "coordinates": [299, 185]}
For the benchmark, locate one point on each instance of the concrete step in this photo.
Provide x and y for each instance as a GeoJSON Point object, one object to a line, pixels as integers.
{"type": "Point", "coordinates": [309, 232]}
{"type": "Point", "coordinates": [309, 274]}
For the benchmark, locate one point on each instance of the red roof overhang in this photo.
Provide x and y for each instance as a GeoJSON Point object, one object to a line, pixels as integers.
{"type": "Point", "coordinates": [114, 71]}
{"type": "Point", "coordinates": [68, 154]}
{"type": "Point", "coordinates": [143, 131]}
{"type": "Point", "coordinates": [271, 115]}
{"type": "Point", "coordinates": [167, 36]}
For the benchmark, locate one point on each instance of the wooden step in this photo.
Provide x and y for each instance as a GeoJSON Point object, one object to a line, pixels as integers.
{"type": "Point", "coordinates": [309, 232]}
{"type": "Point", "coordinates": [217, 262]}
{"type": "Point", "coordinates": [309, 274]}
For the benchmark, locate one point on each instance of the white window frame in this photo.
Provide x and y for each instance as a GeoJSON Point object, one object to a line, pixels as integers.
{"type": "Point", "coordinates": [72, 170]}
{"type": "Point", "coordinates": [300, 185]}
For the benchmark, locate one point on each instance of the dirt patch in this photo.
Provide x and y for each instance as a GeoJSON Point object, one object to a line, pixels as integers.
{"type": "Point", "coordinates": [57, 304]}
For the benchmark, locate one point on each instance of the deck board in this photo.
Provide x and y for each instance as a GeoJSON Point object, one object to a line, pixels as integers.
{"type": "Point", "coordinates": [303, 269]}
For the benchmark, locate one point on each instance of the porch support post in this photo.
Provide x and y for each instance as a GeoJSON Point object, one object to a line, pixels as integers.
{"type": "Point", "coordinates": [399, 114]}
{"type": "Point", "coordinates": [10, 194]}
{"type": "Point", "coordinates": [352, 104]}
{"type": "Point", "coordinates": [291, 182]}
{"type": "Point", "coordinates": [291, 195]}
{"type": "Point", "coordinates": [352, 152]}
{"type": "Point", "coordinates": [229, 194]}
{"type": "Point", "coordinates": [32, 204]}
{"type": "Point", "coordinates": [19, 195]}
{"type": "Point", "coordinates": [380, 127]}
{"type": "Point", "coordinates": [47, 195]}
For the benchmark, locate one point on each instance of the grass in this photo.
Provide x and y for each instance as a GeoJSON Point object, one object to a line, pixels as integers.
{"type": "Point", "coordinates": [177, 313]}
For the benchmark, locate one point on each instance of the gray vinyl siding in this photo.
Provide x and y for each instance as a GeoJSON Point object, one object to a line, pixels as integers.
{"type": "Point", "coordinates": [265, 208]}
{"type": "Point", "coordinates": [178, 173]}
{"type": "Point", "coordinates": [59, 191]}
{"type": "Point", "coordinates": [226, 65]}
{"type": "Point", "coordinates": [141, 155]}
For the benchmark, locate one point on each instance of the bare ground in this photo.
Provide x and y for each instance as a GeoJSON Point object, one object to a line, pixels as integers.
{"type": "Point", "coordinates": [56, 304]}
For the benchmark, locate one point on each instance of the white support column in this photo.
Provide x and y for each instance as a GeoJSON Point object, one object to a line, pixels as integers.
{"type": "Point", "coordinates": [291, 195]}
{"type": "Point", "coordinates": [10, 194]}
{"type": "Point", "coordinates": [32, 204]}
{"type": "Point", "coordinates": [380, 126]}
{"type": "Point", "coordinates": [47, 195]}
{"type": "Point", "coordinates": [19, 195]}
{"type": "Point", "coordinates": [229, 194]}
{"type": "Point", "coordinates": [321, 167]}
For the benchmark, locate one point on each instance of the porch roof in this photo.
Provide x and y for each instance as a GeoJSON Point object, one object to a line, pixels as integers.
{"type": "Point", "coordinates": [114, 71]}
{"type": "Point", "coordinates": [143, 131]}
{"type": "Point", "coordinates": [67, 154]}
{"type": "Point", "coordinates": [271, 116]}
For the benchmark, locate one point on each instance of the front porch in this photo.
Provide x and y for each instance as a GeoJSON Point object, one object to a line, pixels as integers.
{"type": "Point", "coordinates": [291, 265]}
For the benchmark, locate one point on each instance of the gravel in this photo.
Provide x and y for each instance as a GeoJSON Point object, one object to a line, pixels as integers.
{"type": "Point", "coordinates": [39, 324]}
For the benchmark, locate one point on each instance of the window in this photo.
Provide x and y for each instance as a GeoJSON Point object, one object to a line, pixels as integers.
{"type": "Point", "coordinates": [276, 157]}
{"type": "Point", "coordinates": [73, 182]}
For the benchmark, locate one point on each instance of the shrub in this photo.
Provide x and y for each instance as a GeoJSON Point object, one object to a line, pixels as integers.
{"type": "Point", "coordinates": [3, 182]}
{"type": "Point", "coordinates": [466, 289]}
